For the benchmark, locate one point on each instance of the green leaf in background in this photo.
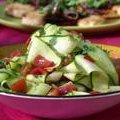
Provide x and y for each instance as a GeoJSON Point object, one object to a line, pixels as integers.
{"type": "Point", "coordinates": [115, 1]}
{"type": "Point", "coordinates": [21, 1]}
{"type": "Point", "coordinates": [96, 3]}
{"type": "Point", "coordinates": [65, 4]}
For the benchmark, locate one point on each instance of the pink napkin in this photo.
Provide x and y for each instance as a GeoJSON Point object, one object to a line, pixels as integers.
{"type": "Point", "coordinates": [11, 36]}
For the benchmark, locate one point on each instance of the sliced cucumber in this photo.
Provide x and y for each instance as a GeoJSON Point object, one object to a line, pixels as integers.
{"type": "Point", "coordinates": [71, 68]}
{"type": "Point", "coordinates": [38, 47]}
{"type": "Point", "coordinates": [40, 89]}
{"type": "Point", "coordinates": [20, 60]}
{"type": "Point", "coordinates": [62, 41]}
{"type": "Point", "coordinates": [76, 93]}
{"type": "Point", "coordinates": [100, 81]}
{"type": "Point", "coordinates": [54, 76]}
{"type": "Point", "coordinates": [16, 62]}
{"type": "Point", "coordinates": [4, 74]}
{"type": "Point", "coordinates": [102, 59]}
{"type": "Point", "coordinates": [65, 45]}
{"type": "Point", "coordinates": [71, 76]}
{"type": "Point", "coordinates": [74, 76]}
{"type": "Point", "coordinates": [13, 66]}
{"type": "Point", "coordinates": [114, 88]}
{"type": "Point", "coordinates": [85, 81]}
{"type": "Point", "coordinates": [50, 29]}
{"type": "Point", "coordinates": [36, 78]}
{"type": "Point", "coordinates": [85, 65]}
{"type": "Point", "coordinates": [81, 88]}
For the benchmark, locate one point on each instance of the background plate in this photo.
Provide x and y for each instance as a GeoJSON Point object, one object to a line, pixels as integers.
{"type": "Point", "coordinates": [110, 25]}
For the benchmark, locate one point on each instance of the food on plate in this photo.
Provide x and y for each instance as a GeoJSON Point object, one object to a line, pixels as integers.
{"type": "Point", "coordinates": [58, 63]}
{"type": "Point", "coordinates": [116, 9]}
{"type": "Point", "coordinates": [33, 19]}
{"type": "Point", "coordinates": [65, 12]}
{"type": "Point", "coordinates": [114, 12]}
{"type": "Point", "coordinates": [18, 10]}
{"type": "Point", "coordinates": [91, 20]}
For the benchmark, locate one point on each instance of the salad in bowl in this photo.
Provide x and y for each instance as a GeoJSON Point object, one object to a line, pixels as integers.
{"type": "Point", "coordinates": [58, 63]}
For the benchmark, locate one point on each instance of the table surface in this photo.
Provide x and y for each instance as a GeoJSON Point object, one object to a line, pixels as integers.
{"type": "Point", "coordinates": [10, 36]}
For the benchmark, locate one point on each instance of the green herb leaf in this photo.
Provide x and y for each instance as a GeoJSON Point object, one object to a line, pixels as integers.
{"type": "Point", "coordinates": [96, 3]}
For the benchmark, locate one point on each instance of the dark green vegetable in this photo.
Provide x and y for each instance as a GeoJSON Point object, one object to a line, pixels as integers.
{"type": "Point", "coordinates": [20, 1]}
{"type": "Point", "coordinates": [35, 2]}
{"type": "Point", "coordinates": [65, 4]}
{"type": "Point", "coordinates": [101, 3]}
{"type": "Point", "coordinates": [115, 1]}
{"type": "Point", "coordinates": [96, 3]}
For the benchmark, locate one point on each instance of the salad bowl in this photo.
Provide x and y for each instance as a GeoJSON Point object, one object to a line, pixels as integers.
{"type": "Point", "coordinates": [60, 107]}
{"type": "Point", "coordinates": [59, 74]}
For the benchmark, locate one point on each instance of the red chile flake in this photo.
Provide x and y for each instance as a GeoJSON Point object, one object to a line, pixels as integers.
{"type": "Point", "coordinates": [89, 58]}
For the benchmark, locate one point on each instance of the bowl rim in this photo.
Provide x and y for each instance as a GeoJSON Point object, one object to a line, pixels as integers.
{"type": "Point", "coordinates": [89, 96]}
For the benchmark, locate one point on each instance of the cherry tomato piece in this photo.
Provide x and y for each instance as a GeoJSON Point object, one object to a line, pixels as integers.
{"type": "Point", "coordinates": [19, 86]}
{"type": "Point", "coordinates": [42, 62]}
{"type": "Point", "coordinates": [38, 71]}
{"type": "Point", "coordinates": [15, 53]}
{"type": "Point", "coordinates": [68, 87]}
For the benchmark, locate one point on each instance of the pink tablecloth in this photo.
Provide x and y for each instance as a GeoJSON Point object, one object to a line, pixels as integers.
{"type": "Point", "coordinates": [11, 36]}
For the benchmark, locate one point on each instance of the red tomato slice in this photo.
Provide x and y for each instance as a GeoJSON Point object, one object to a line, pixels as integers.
{"type": "Point", "coordinates": [38, 71]}
{"type": "Point", "coordinates": [68, 87]}
{"type": "Point", "coordinates": [42, 62]}
{"type": "Point", "coordinates": [15, 53]}
{"type": "Point", "coordinates": [62, 90]}
{"type": "Point", "coordinates": [54, 92]}
{"type": "Point", "coordinates": [19, 86]}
